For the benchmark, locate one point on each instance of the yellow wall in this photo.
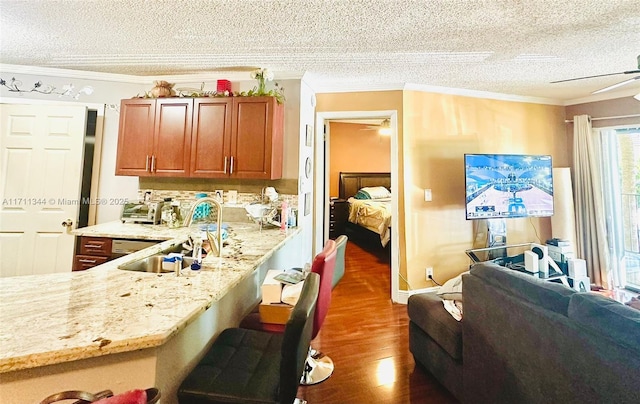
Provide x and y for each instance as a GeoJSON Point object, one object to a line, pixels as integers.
{"type": "Point", "coordinates": [438, 130]}
{"type": "Point", "coordinates": [356, 148]}
{"type": "Point", "coordinates": [434, 133]}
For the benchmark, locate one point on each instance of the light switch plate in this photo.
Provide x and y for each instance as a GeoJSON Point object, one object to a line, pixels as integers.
{"type": "Point", "coordinates": [427, 195]}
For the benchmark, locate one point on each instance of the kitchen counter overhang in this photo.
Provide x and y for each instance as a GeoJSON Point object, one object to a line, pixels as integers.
{"type": "Point", "coordinates": [56, 318]}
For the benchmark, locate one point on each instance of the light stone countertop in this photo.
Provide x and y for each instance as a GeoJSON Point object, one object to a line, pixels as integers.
{"type": "Point", "coordinates": [55, 318]}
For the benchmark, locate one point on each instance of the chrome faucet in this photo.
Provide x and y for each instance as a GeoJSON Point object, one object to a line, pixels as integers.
{"type": "Point", "coordinates": [217, 247]}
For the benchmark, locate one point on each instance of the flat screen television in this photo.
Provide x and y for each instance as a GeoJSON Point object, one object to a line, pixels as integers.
{"type": "Point", "coordinates": [502, 186]}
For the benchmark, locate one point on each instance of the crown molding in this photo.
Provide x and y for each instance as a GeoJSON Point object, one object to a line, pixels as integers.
{"type": "Point", "coordinates": [482, 94]}
{"type": "Point", "coordinates": [320, 87]}
{"type": "Point", "coordinates": [316, 85]}
{"type": "Point", "coordinates": [131, 79]}
{"type": "Point", "coordinates": [323, 87]}
{"type": "Point", "coordinates": [74, 74]}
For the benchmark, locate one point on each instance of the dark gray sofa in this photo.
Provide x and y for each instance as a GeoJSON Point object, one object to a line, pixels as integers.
{"type": "Point", "coordinates": [525, 340]}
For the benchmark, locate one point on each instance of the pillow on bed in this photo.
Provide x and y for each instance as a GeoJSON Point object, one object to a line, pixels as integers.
{"type": "Point", "coordinates": [373, 193]}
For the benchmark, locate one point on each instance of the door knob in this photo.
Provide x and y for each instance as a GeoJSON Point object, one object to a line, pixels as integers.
{"type": "Point", "coordinates": [67, 223]}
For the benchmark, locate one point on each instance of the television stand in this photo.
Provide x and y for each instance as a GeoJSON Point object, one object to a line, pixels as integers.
{"type": "Point", "coordinates": [489, 253]}
{"type": "Point", "coordinates": [513, 258]}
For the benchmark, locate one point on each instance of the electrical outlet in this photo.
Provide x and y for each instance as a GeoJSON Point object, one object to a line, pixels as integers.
{"type": "Point", "coordinates": [429, 273]}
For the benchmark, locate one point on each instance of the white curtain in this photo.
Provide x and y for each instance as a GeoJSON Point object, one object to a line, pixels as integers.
{"type": "Point", "coordinates": [612, 203]}
{"type": "Point", "coordinates": [591, 238]}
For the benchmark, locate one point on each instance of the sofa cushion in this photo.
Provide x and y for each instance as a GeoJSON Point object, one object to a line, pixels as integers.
{"type": "Point", "coordinates": [549, 295]}
{"type": "Point", "coordinates": [428, 313]}
{"type": "Point", "coordinates": [607, 316]}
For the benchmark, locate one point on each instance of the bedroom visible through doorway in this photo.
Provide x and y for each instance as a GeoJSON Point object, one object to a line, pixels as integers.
{"type": "Point", "coordinates": [353, 144]}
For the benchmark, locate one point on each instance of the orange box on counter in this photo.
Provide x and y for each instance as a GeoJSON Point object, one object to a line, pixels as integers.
{"type": "Point", "coordinates": [275, 313]}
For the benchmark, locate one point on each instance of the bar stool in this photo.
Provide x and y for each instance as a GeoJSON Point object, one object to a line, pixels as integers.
{"type": "Point", "coordinates": [249, 366]}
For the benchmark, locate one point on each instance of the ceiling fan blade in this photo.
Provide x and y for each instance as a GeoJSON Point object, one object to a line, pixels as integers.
{"type": "Point", "coordinates": [597, 75]}
{"type": "Point", "coordinates": [622, 83]}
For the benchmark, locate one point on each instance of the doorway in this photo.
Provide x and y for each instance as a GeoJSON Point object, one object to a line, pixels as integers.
{"type": "Point", "coordinates": [322, 185]}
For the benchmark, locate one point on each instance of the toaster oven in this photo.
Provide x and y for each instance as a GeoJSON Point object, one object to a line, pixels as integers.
{"type": "Point", "coordinates": [142, 212]}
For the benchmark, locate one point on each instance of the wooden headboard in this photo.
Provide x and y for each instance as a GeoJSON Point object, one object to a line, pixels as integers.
{"type": "Point", "coordinates": [350, 183]}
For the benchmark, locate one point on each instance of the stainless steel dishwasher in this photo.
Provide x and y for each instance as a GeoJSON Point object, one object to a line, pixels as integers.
{"type": "Point", "coordinates": [120, 247]}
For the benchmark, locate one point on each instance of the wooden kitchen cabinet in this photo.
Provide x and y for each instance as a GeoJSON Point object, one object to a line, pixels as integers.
{"type": "Point", "coordinates": [214, 137]}
{"type": "Point", "coordinates": [239, 137]}
{"type": "Point", "coordinates": [257, 138]}
{"type": "Point", "coordinates": [92, 251]}
{"type": "Point", "coordinates": [211, 137]}
{"type": "Point", "coordinates": [154, 137]}
{"type": "Point", "coordinates": [135, 136]}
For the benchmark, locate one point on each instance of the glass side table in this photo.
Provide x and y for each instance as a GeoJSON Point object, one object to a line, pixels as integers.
{"type": "Point", "coordinates": [512, 257]}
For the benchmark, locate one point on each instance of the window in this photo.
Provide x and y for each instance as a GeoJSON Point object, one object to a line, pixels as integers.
{"type": "Point", "coordinates": [621, 188]}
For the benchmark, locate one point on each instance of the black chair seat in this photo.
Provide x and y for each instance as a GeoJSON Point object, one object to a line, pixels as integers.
{"type": "Point", "coordinates": [256, 367]}
{"type": "Point", "coordinates": [241, 363]}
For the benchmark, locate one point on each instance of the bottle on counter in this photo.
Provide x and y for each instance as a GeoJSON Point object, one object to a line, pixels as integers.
{"type": "Point", "coordinates": [283, 215]}
{"type": "Point", "coordinates": [167, 211]}
{"type": "Point", "coordinates": [292, 217]}
{"type": "Point", "coordinates": [176, 216]}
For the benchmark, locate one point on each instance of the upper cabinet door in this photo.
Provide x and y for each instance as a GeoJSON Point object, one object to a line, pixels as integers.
{"type": "Point", "coordinates": [239, 137]}
{"type": "Point", "coordinates": [211, 137]}
{"type": "Point", "coordinates": [135, 138]}
{"type": "Point", "coordinates": [172, 137]}
{"type": "Point", "coordinates": [257, 138]}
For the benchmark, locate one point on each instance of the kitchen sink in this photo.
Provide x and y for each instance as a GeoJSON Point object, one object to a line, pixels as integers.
{"type": "Point", "coordinates": [153, 264]}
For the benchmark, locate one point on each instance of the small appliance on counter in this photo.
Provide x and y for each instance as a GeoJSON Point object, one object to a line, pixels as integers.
{"type": "Point", "coordinates": [142, 212]}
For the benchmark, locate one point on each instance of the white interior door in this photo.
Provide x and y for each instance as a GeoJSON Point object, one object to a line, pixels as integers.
{"type": "Point", "coordinates": [41, 152]}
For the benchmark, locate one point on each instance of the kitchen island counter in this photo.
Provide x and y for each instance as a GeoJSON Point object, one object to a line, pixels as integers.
{"type": "Point", "coordinates": [65, 317]}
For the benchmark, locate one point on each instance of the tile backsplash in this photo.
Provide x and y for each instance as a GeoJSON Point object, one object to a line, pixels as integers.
{"type": "Point", "coordinates": [187, 197]}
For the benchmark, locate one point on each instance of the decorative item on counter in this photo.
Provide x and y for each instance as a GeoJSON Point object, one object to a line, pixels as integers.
{"type": "Point", "coordinates": [203, 210]}
{"type": "Point", "coordinates": [176, 215]}
{"type": "Point", "coordinates": [271, 194]}
{"type": "Point", "coordinates": [292, 217]}
{"type": "Point", "coordinates": [167, 211]}
{"type": "Point", "coordinates": [162, 89]}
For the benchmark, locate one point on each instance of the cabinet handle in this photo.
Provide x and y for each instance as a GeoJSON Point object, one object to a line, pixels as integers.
{"type": "Point", "coordinates": [92, 246]}
{"type": "Point", "coordinates": [153, 164]}
{"type": "Point", "coordinates": [231, 171]}
{"type": "Point", "coordinates": [85, 261]}
{"type": "Point", "coordinates": [225, 164]}
{"type": "Point", "coordinates": [146, 164]}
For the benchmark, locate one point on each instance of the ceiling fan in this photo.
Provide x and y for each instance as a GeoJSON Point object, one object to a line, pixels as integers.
{"type": "Point", "coordinates": [611, 87]}
{"type": "Point", "coordinates": [383, 128]}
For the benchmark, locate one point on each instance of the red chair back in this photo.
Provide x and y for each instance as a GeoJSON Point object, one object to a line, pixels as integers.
{"type": "Point", "coordinates": [324, 265]}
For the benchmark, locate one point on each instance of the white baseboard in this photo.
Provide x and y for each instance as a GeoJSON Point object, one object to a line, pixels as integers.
{"type": "Point", "coordinates": [403, 295]}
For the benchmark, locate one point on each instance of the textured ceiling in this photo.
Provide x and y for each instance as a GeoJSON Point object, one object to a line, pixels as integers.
{"type": "Point", "coordinates": [503, 46]}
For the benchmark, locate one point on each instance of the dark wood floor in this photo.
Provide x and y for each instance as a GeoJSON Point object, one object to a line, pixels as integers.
{"type": "Point", "coordinates": [366, 335]}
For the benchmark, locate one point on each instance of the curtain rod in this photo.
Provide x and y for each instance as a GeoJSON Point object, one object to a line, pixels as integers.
{"type": "Point", "coordinates": [607, 117]}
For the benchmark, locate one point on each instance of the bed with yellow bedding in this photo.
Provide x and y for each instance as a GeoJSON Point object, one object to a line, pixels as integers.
{"type": "Point", "coordinates": [369, 202]}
